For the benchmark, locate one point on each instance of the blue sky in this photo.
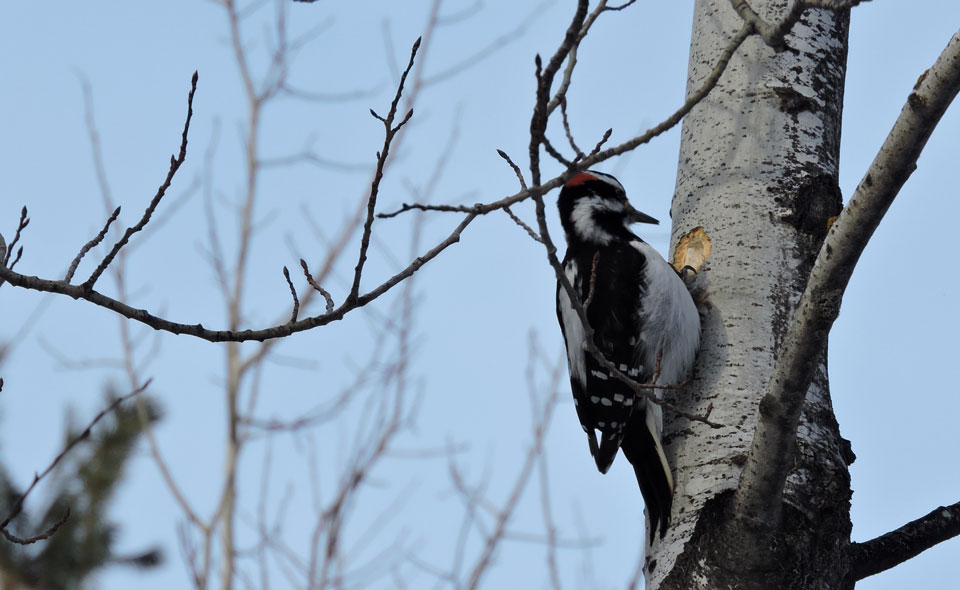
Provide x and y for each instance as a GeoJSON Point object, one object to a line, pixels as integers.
{"type": "Point", "coordinates": [478, 303]}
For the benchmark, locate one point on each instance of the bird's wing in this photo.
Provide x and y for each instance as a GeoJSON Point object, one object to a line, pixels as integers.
{"type": "Point", "coordinates": [604, 403]}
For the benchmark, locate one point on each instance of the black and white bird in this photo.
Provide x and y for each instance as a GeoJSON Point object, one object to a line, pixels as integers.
{"type": "Point", "coordinates": [640, 311]}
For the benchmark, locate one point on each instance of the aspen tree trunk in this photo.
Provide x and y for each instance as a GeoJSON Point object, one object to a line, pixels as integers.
{"type": "Point", "coordinates": [758, 171]}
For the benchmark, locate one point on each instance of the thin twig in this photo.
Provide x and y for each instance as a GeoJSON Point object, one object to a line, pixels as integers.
{"type": "Point", "coordinates": [17, 258]}
{"type": "Point", "coordinates": [18, 505]}
{"type": "Point", "coordinates": [555, 153]}
{"type": "Point", "coordinates": [522, 224]}
{"type": "Point", "coordinates": [516, 169]}
{"type": "Point", "coordinates": [316, 287]}
{"type": "Point", "coordinates": [505, 513]}
{"type": "Point", "coordinates": [382, 155]}
{"type": "Point", "coordinates": [44, 535]}
{"type": "Point", "coordinates": [593, 281]}
{"type": "Point", "coordinates": [711, 81]}
{"type": "Point", "coordinates": [293, 292]}
{"type": "Point", "coordinates": [603, 140]}
{"type": "Point", "coordinates": [175, 163]}
{"type": "Point", "coordinates": [425, 207]}
{"type": "Point", "coordinates": [620, 7]}
{"type": "Point", "coordinates": [21, 225]}
{"type": "Point", "coordinates": [90, 245]}
{"type": "Point", "coordinates": [566, 129]}
{"type": "Point", "coordinates": [600, 156]}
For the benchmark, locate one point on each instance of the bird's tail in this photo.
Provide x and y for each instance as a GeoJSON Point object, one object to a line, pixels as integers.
{"type": "Point", "coordinates": [607, 452]}
{"type": "Point", "coordinates": [641, 446]}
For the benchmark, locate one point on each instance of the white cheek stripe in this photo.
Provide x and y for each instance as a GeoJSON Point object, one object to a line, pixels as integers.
{"type": "Point", "coordinates": [583, 222]}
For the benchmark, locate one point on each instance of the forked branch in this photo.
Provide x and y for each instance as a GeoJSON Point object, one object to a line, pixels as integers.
{"type": "Point", "coordinates": [759, 494]}
{"type": "Point", "coordinates": [175, 163]}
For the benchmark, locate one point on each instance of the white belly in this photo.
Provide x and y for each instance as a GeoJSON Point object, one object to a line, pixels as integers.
{"type": "Point", "coordinates": [670, 320]}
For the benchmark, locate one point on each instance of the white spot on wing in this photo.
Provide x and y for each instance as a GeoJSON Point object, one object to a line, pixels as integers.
{"type": "Point", "coordinates": [599, 375]}
{"type": "Point", "coordinates": [605, 401]}
{"type": "Point", "coordinates": [618, 398]}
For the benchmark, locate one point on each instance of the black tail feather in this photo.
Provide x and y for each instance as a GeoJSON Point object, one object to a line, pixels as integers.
{"type": "Point", "coordinates": [607, 452]}
{"type": "Point", "coordinates": [644, 452]}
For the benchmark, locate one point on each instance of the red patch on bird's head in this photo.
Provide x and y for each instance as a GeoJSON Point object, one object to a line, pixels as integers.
{"type": "Point", "coordinates": [580, 179]}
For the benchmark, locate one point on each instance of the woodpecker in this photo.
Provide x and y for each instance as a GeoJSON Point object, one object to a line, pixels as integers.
{"type": "Point", "coordinates": [643, 320]}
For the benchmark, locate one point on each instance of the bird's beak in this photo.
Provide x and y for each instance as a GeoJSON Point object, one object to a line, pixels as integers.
{"type": "Point", "coordinates": [634, 216]}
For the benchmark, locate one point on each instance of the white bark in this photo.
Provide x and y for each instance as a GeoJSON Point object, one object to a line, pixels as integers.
{"type": "Point", "coordinates": [757, 170]}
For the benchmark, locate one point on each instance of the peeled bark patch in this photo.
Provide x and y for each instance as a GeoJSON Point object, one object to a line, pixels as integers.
{"type": "Point", "coordinates": [692, 249]}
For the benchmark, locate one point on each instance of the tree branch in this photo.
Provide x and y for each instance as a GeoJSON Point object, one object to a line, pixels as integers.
{"type": "Point", "coordinates": [175, 163]}
{"type": "Point", "coordinates": [759, 495]}
{"type": "Point", "coordinates": [908, 541]}
{"type": "Point", "coordinates": [90, 245]}
{"type": "Point", "coordinates": [382, 155]}
{"type": "Point", "coordinates": [143, 316]}
{"type": "Point", "coordinates": [18, 505]}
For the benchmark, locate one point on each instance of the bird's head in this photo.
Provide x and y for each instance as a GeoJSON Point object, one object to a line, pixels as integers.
{"type": "Point", "coordinates": [594, 210]}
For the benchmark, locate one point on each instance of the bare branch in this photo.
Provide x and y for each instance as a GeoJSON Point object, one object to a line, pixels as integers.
{"type": "Point", "coordinates": [555, 153]}
{"type": "Point", "coordinates": [516, 169]}
{"type": "Point", "coordinates": [530, 231]}
{"type": "Point", "coordinates": [197, 330]}
{"type": "Point", "coordinates": [503, 515]}
{"type": "Point", "coordinates": [620, 7]}
{"type": "Point", "coordinates": [17, 258]}
{"type": "Point", "coordinates": [90, 245]}
{"type": "Point", "coordinates": [759, 494]}
{"type": "Point", "coordinates": [593, 280]}
{"type": "Point", "coordinates": [543, 105]}
{"type": "Point", "coordinates": [691, 101]}
{"type": "Point", "coordinates": [40, 537]}
{"type": "Point", "coordinates": [766, 31]}
{"type": "Point", "coordinates": [492, 47]}
{"type": "Point", "coordinates": [908, 541]}
{"type": "Point", "coordinates": [293, 293]}
{"type": "Point", "coordinates": [313, 283]}
{"type": "Point", "coordinates": [597, 156]}
{"type": "Point", "coordinates": [480, 209]}
{"type": "Point", "coordinates": [18, 505]}
{"type": "Point", "coordinates": [21, 225]}
{"type": "Point", "coordinates": [175, 163]}
{"type": "Point", "coordinates": [444, 208]}
{"type": "Point", "coordinates": [603, 140]}
{"type": "Point", "coordinates": [566, 129]}
{"type": "Point", "coordinates": [382, 155]}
